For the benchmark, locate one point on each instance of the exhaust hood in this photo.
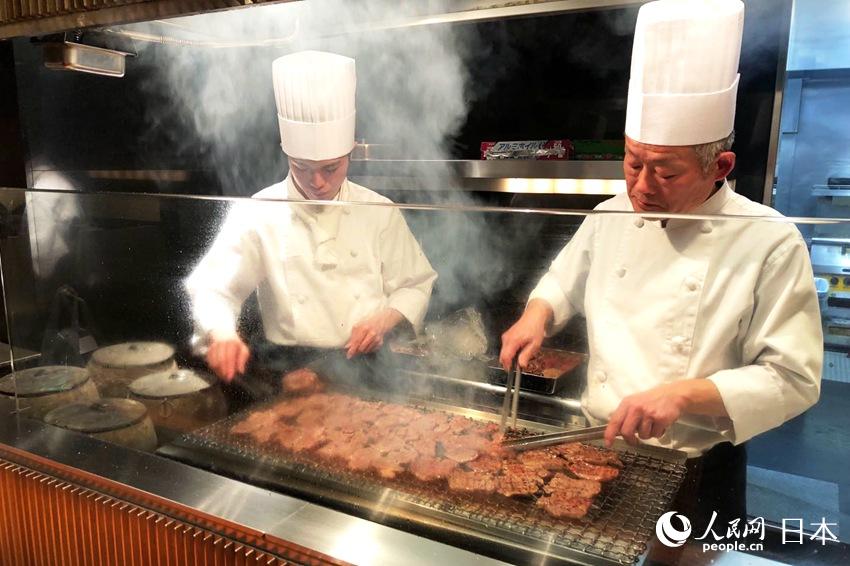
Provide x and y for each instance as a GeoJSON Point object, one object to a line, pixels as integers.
{"type": "Point", "coordinates": [29, 18]}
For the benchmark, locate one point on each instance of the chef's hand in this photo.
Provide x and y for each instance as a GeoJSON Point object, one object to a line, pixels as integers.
{"type": "Point", "coordinates": [368, 334]}
{"type": "Point", "coordinates": [646, 415]}
{"type": "Point", "coordinates": [650, 413]}
{"type": "Point", "coordinates": [227, 355]}
{"type": "Point", "coordinates": [526, 335]}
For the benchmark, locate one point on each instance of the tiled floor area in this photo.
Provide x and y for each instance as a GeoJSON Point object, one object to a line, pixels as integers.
{"type": "Point", "coordinates": [802, 469]}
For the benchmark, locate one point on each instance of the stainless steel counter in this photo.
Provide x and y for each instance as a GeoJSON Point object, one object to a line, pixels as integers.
{"type": "Point", "coordinates": [333, 533]}
{"type": "Point", "coordinates": [338, 535]}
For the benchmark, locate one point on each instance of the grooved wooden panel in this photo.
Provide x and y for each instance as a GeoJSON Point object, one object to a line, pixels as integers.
{"type": "Point", "coordinates": [49, 522]}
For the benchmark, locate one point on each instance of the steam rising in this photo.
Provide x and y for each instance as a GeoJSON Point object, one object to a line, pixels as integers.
{"type": "Point", "coordinates": [412, 96]}
{"type": "Point", "coordinates": [410, 93]}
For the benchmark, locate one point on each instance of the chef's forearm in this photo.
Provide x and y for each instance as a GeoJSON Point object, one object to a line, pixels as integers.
{"type": "Point", "coordinates": [411, 303]}
{"type": "Point", "coordinates": [392, 317]}
{"type": "Point", "coordinates": [699, 397]}
{"type": "Point", "coordinates": [540, 311]}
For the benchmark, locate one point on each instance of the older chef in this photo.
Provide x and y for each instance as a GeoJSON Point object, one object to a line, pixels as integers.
{"type": "Point", "coordinates": [327, 276]}
{"type": "Point", "coordinates": [702, 333]}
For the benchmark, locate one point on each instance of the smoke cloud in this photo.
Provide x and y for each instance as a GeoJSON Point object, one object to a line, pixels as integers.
{"type": "Point", "coordinates": [214, 72]}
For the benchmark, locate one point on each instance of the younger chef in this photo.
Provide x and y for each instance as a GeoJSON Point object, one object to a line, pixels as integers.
{"type": "Point", "coordinates": [327, 275]}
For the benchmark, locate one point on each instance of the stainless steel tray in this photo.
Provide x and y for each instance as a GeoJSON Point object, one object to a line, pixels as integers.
{"type": "Point", "coordinates": [541, 383]}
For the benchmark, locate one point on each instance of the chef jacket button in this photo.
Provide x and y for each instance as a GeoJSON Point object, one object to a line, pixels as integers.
{"type": "Point", "coordinates": [691, 284]}
{"type": "Point", "coordinates": [353, 253]}
{"type": "Point", "coordinates": [356, 296]}
{"type": "Point", "coordinates": [346, 210]}
{"type": "Point", "coordinates": [621, 272]}
{"type": "Point", "coordinates": [601, 376]}
{"type": "Point", "coordinates": [639, 222]}
{"type": "Point", "coordinates": [301, 299]}
{"type": "Point", "coordinates": [678, 343]}
{"type": "Point", "coordinates": [705, 228]}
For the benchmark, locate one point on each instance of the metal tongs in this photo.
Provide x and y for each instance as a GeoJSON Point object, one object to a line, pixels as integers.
{"type": "Point", "coordinates": [511, 400]}
{"type": "Point", "coordinates": [576, 435]}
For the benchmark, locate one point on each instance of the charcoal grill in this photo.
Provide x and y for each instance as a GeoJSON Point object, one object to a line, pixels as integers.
{"type": "Point", "coordinates": [616, 530]}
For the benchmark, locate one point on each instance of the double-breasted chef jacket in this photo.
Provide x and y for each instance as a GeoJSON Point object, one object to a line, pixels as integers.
{"type": "Point", "coordinates": [318, 269]}
{"type": "Point", "coordinates": [730, 300]}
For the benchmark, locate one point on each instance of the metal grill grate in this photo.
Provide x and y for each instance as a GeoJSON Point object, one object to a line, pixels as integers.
{"type": "Point", "coordinates": [616, 529]}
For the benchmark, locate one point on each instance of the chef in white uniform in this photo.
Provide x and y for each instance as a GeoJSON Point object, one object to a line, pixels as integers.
{"type": "Point", "coordinates": [327, 275]}
{"type": "Point", "coordinates": [702, 333]}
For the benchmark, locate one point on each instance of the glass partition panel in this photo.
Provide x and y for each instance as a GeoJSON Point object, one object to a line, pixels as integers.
{"type": "Point", "coordinates": [345, 350]}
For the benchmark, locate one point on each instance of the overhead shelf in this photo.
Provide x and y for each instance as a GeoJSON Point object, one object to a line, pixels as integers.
{"type": "Point", "coordinates": [490, 169]}
{"type": "Point", "coordinates": [507, 176]}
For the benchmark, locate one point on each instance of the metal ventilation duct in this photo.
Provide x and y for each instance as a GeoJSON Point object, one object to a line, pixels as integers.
{"type": "Point", "coordinates": [39, 17]}
{"type": "Point", "coordinates": [23, 18]}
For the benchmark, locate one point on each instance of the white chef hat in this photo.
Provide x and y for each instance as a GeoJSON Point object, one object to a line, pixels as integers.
{"type": "Point", "coordinates": [684, 76]}
{"type": "Point", "coordinates": [314, 93]}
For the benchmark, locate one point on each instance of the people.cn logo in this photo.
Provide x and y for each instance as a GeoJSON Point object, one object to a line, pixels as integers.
{"type": "Point", "coordinates": [670, 535]}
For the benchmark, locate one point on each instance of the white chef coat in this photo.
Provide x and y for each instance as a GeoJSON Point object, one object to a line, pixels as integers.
{"type": "Point", "coordinates": [730, 300]}
{"type": "Point", "coordinates": [318, 270]}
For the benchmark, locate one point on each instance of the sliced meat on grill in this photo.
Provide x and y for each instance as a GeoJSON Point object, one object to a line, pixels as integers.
{"type": "Point", "coordinates": [486, 464]}
{"type": "Point", "coordinates": [402, 456]}
{"type": "Point", "coordinates": [443, 425]}
{"type": "Point", "coordinates": [318, 401]}
{"type": "Point", "coordinates": [300, 439]}
{"type": "Point", "coordinates": [495, 450]}
{"type": "Point", "coordinates": [432, 469]}
{"type": "Point", "coordinates": [459, 425]}
{"type": "Point", "coordinates": [333, 450]}
{"type": "Point", "coordinates": [387, 468]}
{"type": "Point", "coordinates": [516, 479]}
{"type": "Point", "coordinates": [524, 485]}
{"type": "Point", "coordinates": [363, 458]}
{"type": "Point", "coordinates": [542, 459]}
{"type": "Point", "coordinates": [590, 454]}
{"type": "Point", "coordinates": [342, 446]}
{"type": "Point", "coordinates": [565, 506]}
{"type": "Point", "coordinates": [564, 485]}
{"type": "Point", "coordinates": [256, 421]}
{"type": "Point", "coordinates": [459, 454]}
{"type": "Point", "coordinates": [390, 421]}
{"type": "Point", "coordinates": [474, 441]}
{"type": "Point", "coordinates": [592, 472]}
{"type": "Point", "coordinates": [426, 422]}
{"type": "Point", "coordinates": [426, 447]}
{"type": "Point", "coordinates": [302, 382]}
{"type": "Point", "coordinates": [472, 482]}
{"type": "Point", "coordinates": [310, 418]}
{"type": "Point", "coordinates": [289, 411]}
{"type": "Point", "coordinates": [408, 434]}
{"type": "Point", "coordinates": [386, 444]}
{"type": "Point", "coordinates": [490, 429]}
{"type": "Point", "coordinates": [408, 415]}
{"type": "Point", "coordinates": [366, 414]}
{"type": "Point", "coordinates": [265, 434]}
{"type": "Point", "coordinates": [340, 422]}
